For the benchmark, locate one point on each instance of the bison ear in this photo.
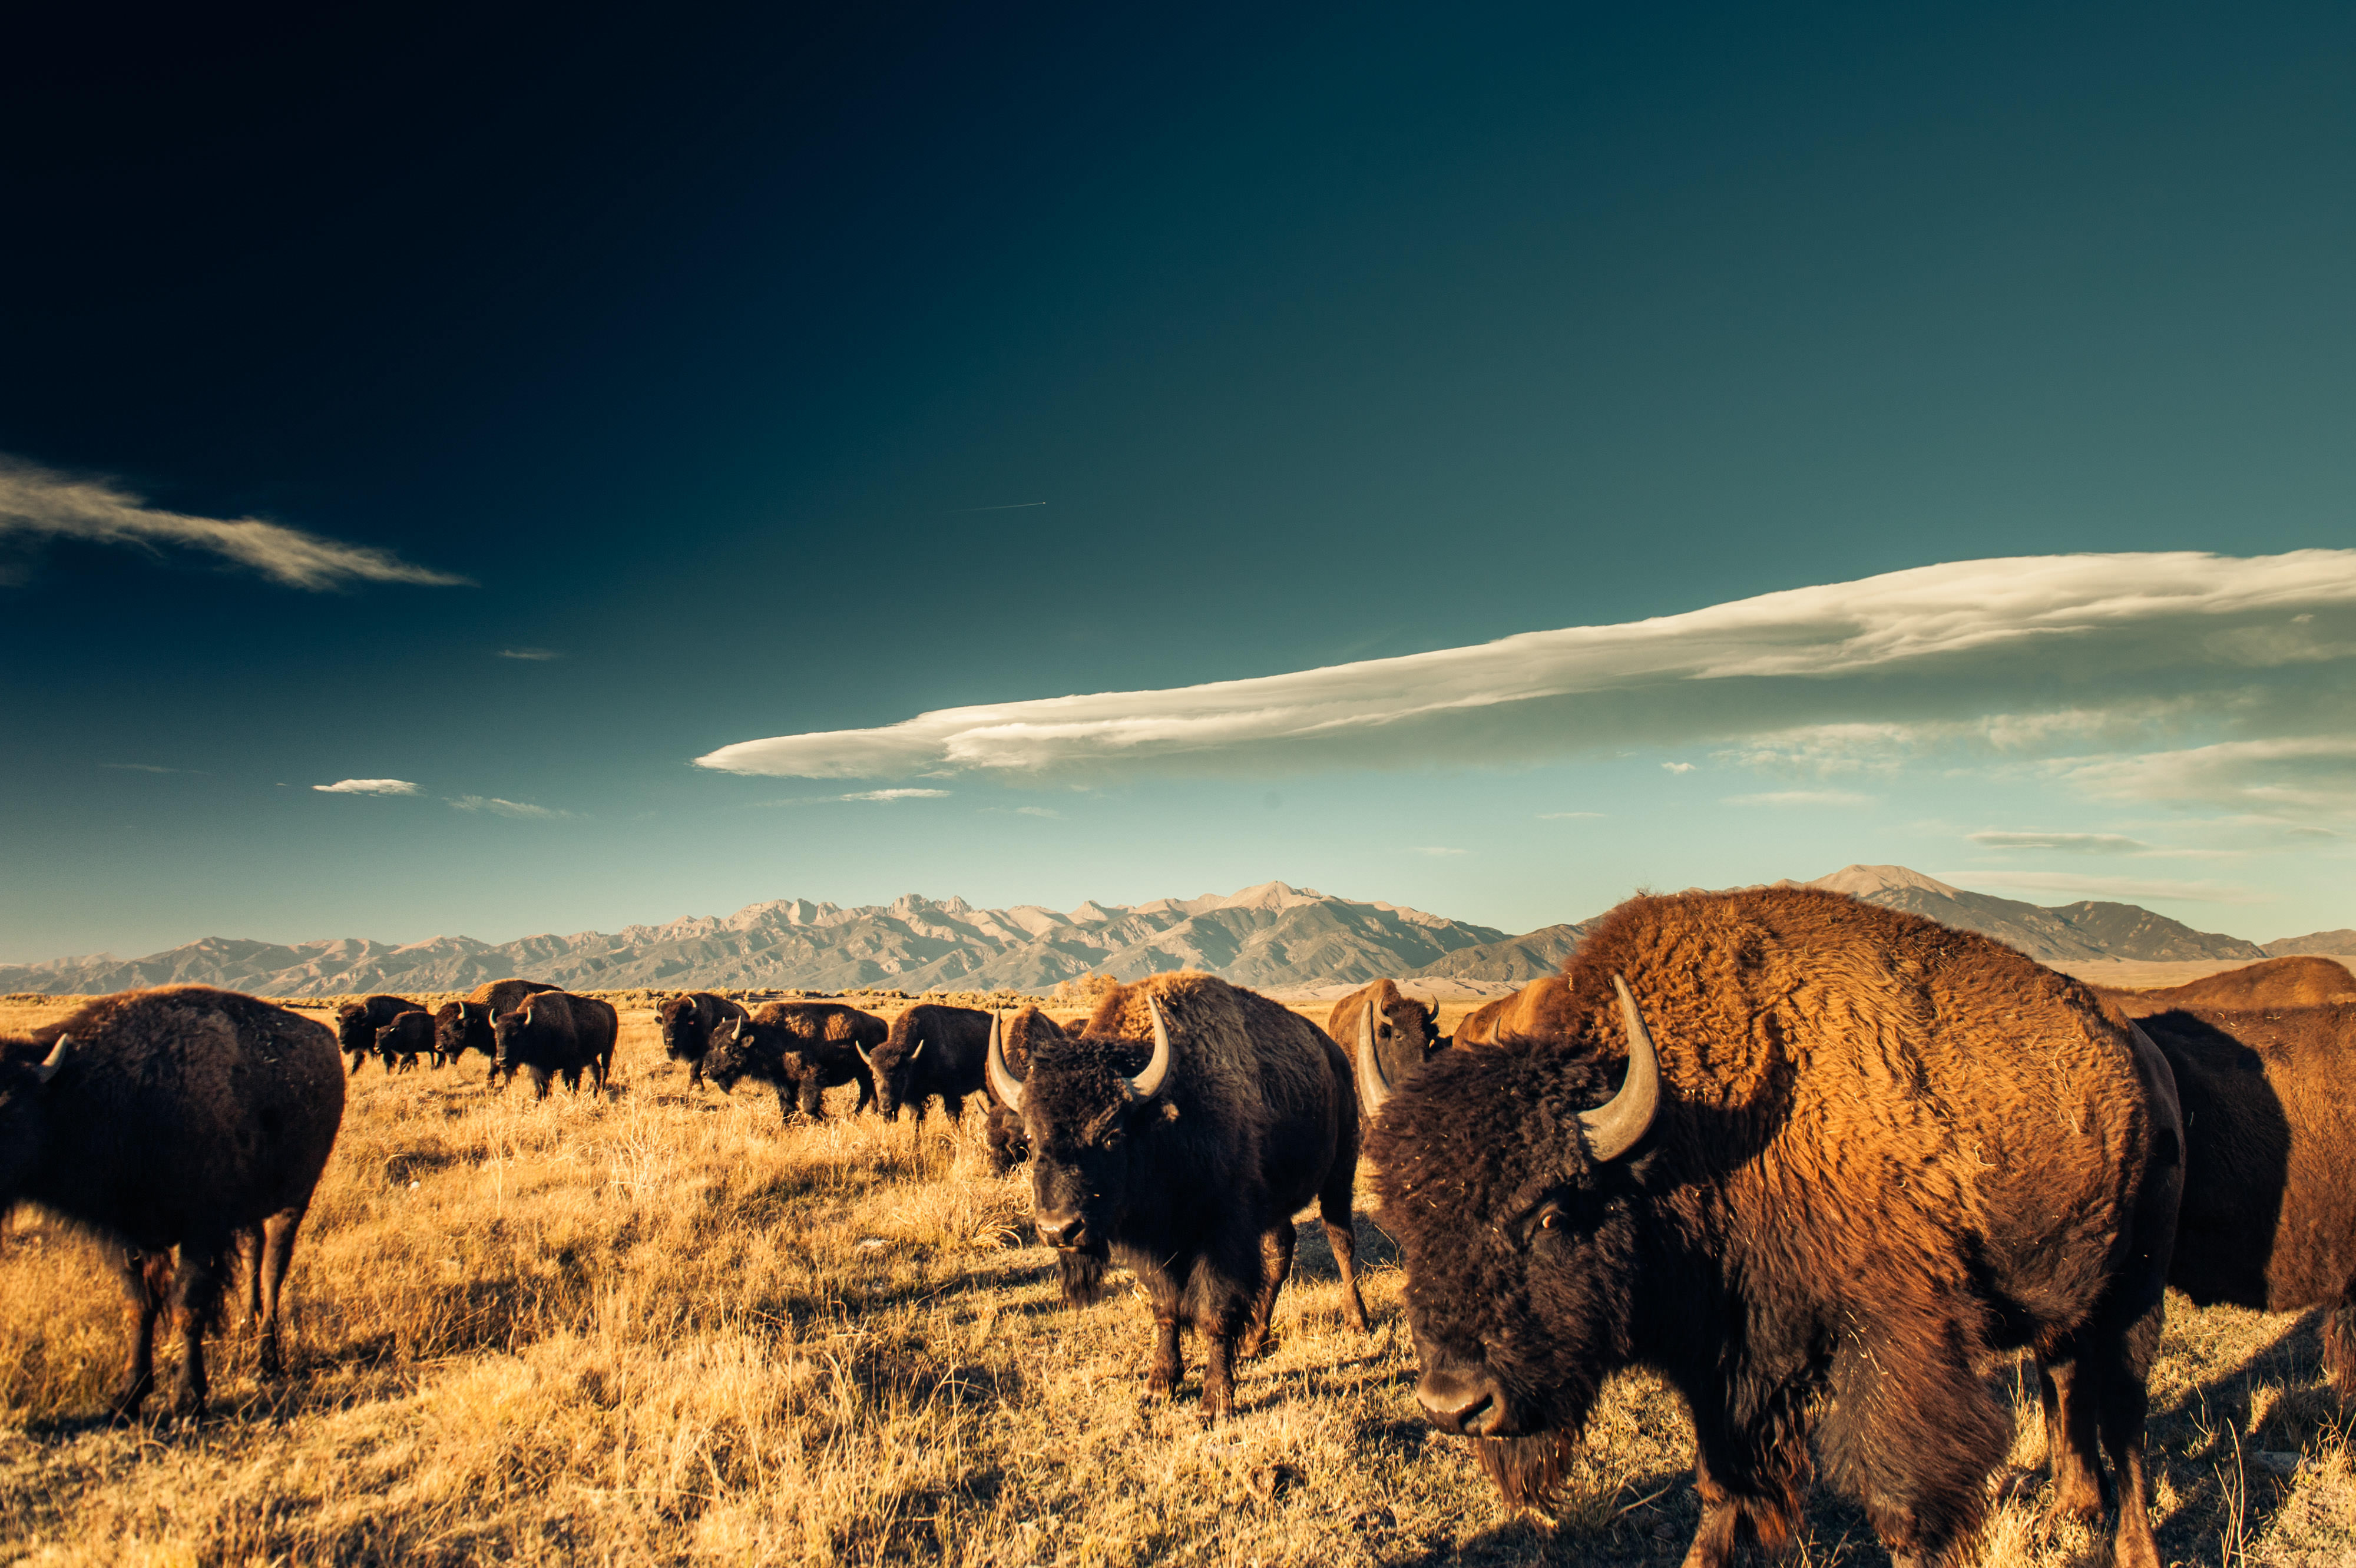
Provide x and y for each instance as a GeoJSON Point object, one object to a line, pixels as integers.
{"type": "Point", "coordinates": [56, 1059]}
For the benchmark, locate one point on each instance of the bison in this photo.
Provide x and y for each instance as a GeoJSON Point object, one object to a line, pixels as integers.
{"type": "Point", "coordinates": [1866, 1152]}
{"type": "Point", "coordinates": [409, 1036]}
{"type": "Point", "coordinates": [1536, 1014]}
{"type": "Point", "coordinates": [181, 1121]}
{"type": "Point", "coordinates": [1010, 1145]}
{"type": "Point", "coordinates": [2269, 1217]}
{"type": "Point", "coordinates": [930, 1050]}
{"type": "Point", "coordinates": [555, 1032]}
{"type": "Point", "coordinates": [1406, 1031]}
{"type": "Point", "coordinates": [463, 1026]}
{"type": "Point", "coordinates": [506, 995]}
{"type": "Point", "coordinates": [1188, 1164]}
{"type": "Point", "coordinates": [804, 1048]}
{"type": "Point", "coordinates": [691, 1023]}
{"type": "Point", "coordinates": [358, 1021]}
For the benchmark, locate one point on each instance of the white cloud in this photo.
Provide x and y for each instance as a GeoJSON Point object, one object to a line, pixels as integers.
{"type": "Point", "coordinates": [2314, 773]}
{"type": "Point", "coordinates": [2127, 889]}
{"type": "Point", "coordinates": [895, 795]}
{"type": "Point", "coordinates": [140, 767]}
{"type": "Point", "coordinates": [1801, 798]}
{"type": "Point", "coordinates": [1435, 849]}
{"type": "Point", "coordinates": [536, 655]}
{"type": "Point", "coordinates": [2068, 843]}
{"type": "Point", "coordinates": [1676, 768]}
{"type": "Point", "coordinates": [40, 504]}
{"type": "Point", "coordinates": [2155, 649]}
{"type": "Point", "coordinates": [499, 807]}
{"type": "Point", "coordinates": [1032, 811]}
{"type": "Point", "coordinates": [367, 786]}
{"type": "Point", "coordinates": [1565, 816]}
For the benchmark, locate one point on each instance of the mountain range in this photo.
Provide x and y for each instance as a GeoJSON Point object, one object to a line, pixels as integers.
{"type": "Point", "coordinates": [1272, 936]}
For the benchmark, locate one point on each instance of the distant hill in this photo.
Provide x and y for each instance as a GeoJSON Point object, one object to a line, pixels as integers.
{"type": "Point", "coordinates": [2327, 943]}
{"type": "Point", "coordinates": [1272, 935]}
{"type": "Point", "coordinates": [1519, 959]}
{"type": "Point", "coordinates": [2087, 929]}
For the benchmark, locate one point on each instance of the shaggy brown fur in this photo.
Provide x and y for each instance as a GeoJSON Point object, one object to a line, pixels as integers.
{"type": "Point", "coordinates": [804, 1048]}
{"type": "Point", "coordinates": [407, 1037]}
{"type": "Point", "coordinates": [184, 1120]}
{"type": "Point", "coordinates": [552, 1033]}
{"type": "Point", "coordinates": [2269, 1217]}
{"type": "Point", "coordinates": [2301, 982]}
{"type": "Point", "coordinates": [358, 1021]}
{"type": "Point", "coordinates": [931, 1050]}
{"type": "Point", "coordinates": [463, 1026]}
{"type": "Point", "coordinates": [690, 1023]}
{"type": "Point", "coordinates": [1406, 1031]}
{"type": "Point", "coordinates": [506, 995]}
{"type": "Point", "coordinates": [1537, 1013]}
{"type": "Point", "coordinates": [1195, 1188]}
{"type": "Point", "coordinates": [1884, 1149]}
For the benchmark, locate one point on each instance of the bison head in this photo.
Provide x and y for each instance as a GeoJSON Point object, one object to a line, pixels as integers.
{"type": "Point", "coordinates": [24, 1083]}
{"type": "Point", "coordinates": [355, 1030]}
{"type": "Point", "coordinates": [1406, 1034]}
{"type": "Point", "coordinates": [892, 1064]}
{"type": "Point", "coordinates": [1517, 1210]}
{"type": "Point", "coordinates": [1084, 1117]}
{"type": "Point", "coordinates": [460, 1026]}
{"type": "Point", "coordinates": [732, 1053]}
{"type": "Point", "coordinates": [681, 1021]}
{"type": "Point", "coordinates": [509, 1032]}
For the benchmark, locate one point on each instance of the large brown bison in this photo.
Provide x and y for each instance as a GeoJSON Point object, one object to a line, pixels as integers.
{"type": "Point", "coordinates": [186, 1119]}
{"type": "Point", "coordinates": [1406, 1031]}
{"type": "Point", "coordinates": [358, 1021]}
{"type": "Point", "coordinates": [804, 1048]}
{"type": "Point", "coordinates": [463, 1026]}
{"type": "Point", "coordinates": [1537, 1013]}
{"type": "Point", "coordinates": [2269, 1217]}
{"type": "Point", "coordinates": [1866, 1152]}
{"type": "Point", "coordinates": [2302, 980]}
{"type": "Point", "coordinates": [1181, 1132]}
{"type": "Point", "coordinates": [691, 1023]}
{"type": "Point", "coordinates": [556, 1033]}
{"type": "Point", "coordinates": [506, 995]}
{"type": "Point", "coordinates": [931, 1050]}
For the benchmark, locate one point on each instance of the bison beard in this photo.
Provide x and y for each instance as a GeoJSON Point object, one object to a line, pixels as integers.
{"type": "Point", "coordinates": [1786, 1243]}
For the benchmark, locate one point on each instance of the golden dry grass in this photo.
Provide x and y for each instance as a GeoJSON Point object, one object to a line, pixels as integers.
{"type": "Point", "coordinates": [659, 1328]}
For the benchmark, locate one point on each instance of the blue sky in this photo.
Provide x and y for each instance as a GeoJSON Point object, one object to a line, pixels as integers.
{"type": "Point", "coordinates": [523, 412]}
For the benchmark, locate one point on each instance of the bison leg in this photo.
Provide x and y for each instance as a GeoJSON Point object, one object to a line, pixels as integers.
{"type": "Point", "coordinates": [2069, 1439]}
{"type": "Point", "coordinates": [1751, 1483]}
{"type": "Point", "coordinates": [1168, 1367]}
{"type": "Point", "coordinates": [953, 1107]}
{"type": "Point", "coordinates": [2339, 1346]}
{"type": "Point", "coordinates": [196, 1301]}
{"type": "Point", "coordinates": [145, 1277]}
{"type": "Point", "coordinates": [1341, 1235]}
{"type": "Point", "coordinates": [275, 1252]}
{"type": "Point", "coordinates": [1912, 1432]}
{"type": "Point", "coordinates": [866, 1082]}
{"type": "Point", "coordinates": [1219, 1375]}
{"type": "Point", "coordinates": [812, 1097]}
{"type": "Point", "coordinates": [540, 1077]}
{"type": "Point", "coordinates": [1276, 1267]}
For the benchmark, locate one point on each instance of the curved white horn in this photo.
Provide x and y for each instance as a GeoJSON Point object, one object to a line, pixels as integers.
{"type": "Point", "coordinates": [1614, 1127]}
{"type": "Point", "coordinates": [1148, 1084]}
{"type": "Point", "coordinates": [1374, 1085]}
{"type": "Point", "coordinates": [863, 1056]}
{"type": "Point", "coordinates": [1002, 1082]}
{"type": "Point", "coordinates": [919, 1050]}
{"type": "Point", "coordinates": [56, 1058]}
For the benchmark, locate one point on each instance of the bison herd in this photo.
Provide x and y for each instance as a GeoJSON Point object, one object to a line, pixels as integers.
{"type": "Point", "coordinates": [1814, 1161]}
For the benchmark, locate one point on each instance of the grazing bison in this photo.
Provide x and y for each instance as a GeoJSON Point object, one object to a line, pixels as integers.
{"type": "Point", "coordinates": [689, 1026]}
{"type": "Point", "coordinates": [1866, 1152]}
{"type": "Point", "coordinates": [463, 1026]}
{"type": "Point", "coordinates": [186, 1119]}
{"type": "Point", "coordinates": [1181, 1132]}
{"type": "Point", "coordinates": [1406, 1031]}
{"type": "Point", "coordinates": [930, 1050]}
{"type": "Point", "coordinates": [804, 1048]}
{"type": "Point", "coordinates": [403, 1040]}
{"type": "Point", "coordinates": [1537, 1013]}
{"type": "Point", "coordinates": [358, 1021]}
{"type": "Point", "coordinates": [552, 1033]}
{"type": "Point", "coordinates": [2269, 1217]}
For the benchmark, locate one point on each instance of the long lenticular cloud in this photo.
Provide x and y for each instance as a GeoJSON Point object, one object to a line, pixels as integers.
{"type": "Point", "coordinates": [39, 503]}
{"type": "Point", "coordinates": [1963, 642]}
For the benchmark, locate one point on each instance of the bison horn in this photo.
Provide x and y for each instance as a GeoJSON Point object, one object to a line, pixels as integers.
{"type": "Point", "coordinates": [918, 1051]}
{"type": "Point", "coordinates": [1002, 1082]}
{"type": "Point", "coordinates": [1614, 1127]}
{"type": "Point", "coordinates": [56, 1058]}
{"type": "Point", "coordinates": [863, 1056]}
{"type": "Point", "coordinates": [1148, 1084]}
{"type": "Point", "coordinates": [1374, 1085]}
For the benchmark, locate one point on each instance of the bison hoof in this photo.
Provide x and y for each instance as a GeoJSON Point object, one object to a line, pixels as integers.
{"type": "Point", "coordinates": [1161, 1382]}
{"type": "Point", "coordinates": [1256, 1343]}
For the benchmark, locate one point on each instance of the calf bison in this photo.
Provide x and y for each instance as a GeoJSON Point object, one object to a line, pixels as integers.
{"type": "Point", "coordinates": [1189, 1163]}
{"type": "Point", "coordinates": [689, 1025]}
{"type": "Point", "coordinates": [804, 1048]}
{"type": "Point", "coordinates": [186, 1119]}
{"type": "Point", "coordinates": [1535, 1014]}
{"type": "Point", "coordinates": [463, 1026]}
{"type": "Point", "coordinates": [1867, 1151]}
{"type": "Point", "coordinates": [1406, 1031]}
{"type": "Point", "coordinates": [358, 1021]}
{"type": "Point", "coordinates": [553, 1033]}
{"type": "Point", "coordinates": [407, 1037]}
{"type": "Point", "coordinates": [931, 1050]}
{"type": "Point", "coordinates": [2269, 1217]}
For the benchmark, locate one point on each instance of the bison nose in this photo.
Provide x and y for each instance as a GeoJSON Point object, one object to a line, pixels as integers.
{"type": "Point", "coordinates": [1065, 1231]}
{"type": "Point", "coordinates": [1469, 1403]}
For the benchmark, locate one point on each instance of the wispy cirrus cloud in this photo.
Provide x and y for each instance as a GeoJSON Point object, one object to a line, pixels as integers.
{"type": "Point", "coordinates": [367, 786]}
{"type": "Point", "coordinates": [495, 807]}
{"type": "Point", "coordinates": [1801, 798]}
{"type": "Point", "coordinates": [2125, 889]}
{"type": "Point", "coordinates": [530, 655]}
{"type": "Point", "coordinates": [2066, 843]}
{"type": "Point", "coordinates": [1565, 816]}
{"type": "Point", "coordinates": [37, 503]}
{"type": "Point", "coordinates": [2157, 650]}
{"type": "Point", "coordinates": [877, 796]}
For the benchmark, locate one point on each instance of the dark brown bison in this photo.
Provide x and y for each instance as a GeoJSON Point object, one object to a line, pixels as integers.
{"type": "Point", "coordinates": [555, 1033]}
{"type": "Point", "coordinates": [1010, 1143]}
{"type": "Point", "coordinates": [2303, 981]}
{"type": "Point", "coordinates": [463, 1026]}
{"type": "Point", "coordinates": [1181, 1132]}
{"type": "Point", "coordinates": [186, 1119]}
{"type": "Point", "coordinates": [506, 995]}
{"type": "Point", "coordinates": [1866, 1152]}
{"type": "Point", "coordinates": [931, 1050]}
{"type": "Point", "coordinates": [804, 1048]}
{"type": "Point", "coordinates": [1538, 1013]}
{"type": "Point", "coordinates": [358, 1021]}
{"type": "Point", "coordinates": [408, 1036]}
{"type": "Point", "coordinates": [1406, 1031]}
{"type": "Point", "coordinates": [2269, 1217]}
{"type": "Point", "coordinates": [689, 1026]}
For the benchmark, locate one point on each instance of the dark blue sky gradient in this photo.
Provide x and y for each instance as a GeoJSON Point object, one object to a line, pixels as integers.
{"type": "Point", "coordinates": [698, 339]}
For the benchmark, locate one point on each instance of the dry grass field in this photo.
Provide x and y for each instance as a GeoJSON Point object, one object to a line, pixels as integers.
{"type": "Point", "coordinates": [657, 1328]}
